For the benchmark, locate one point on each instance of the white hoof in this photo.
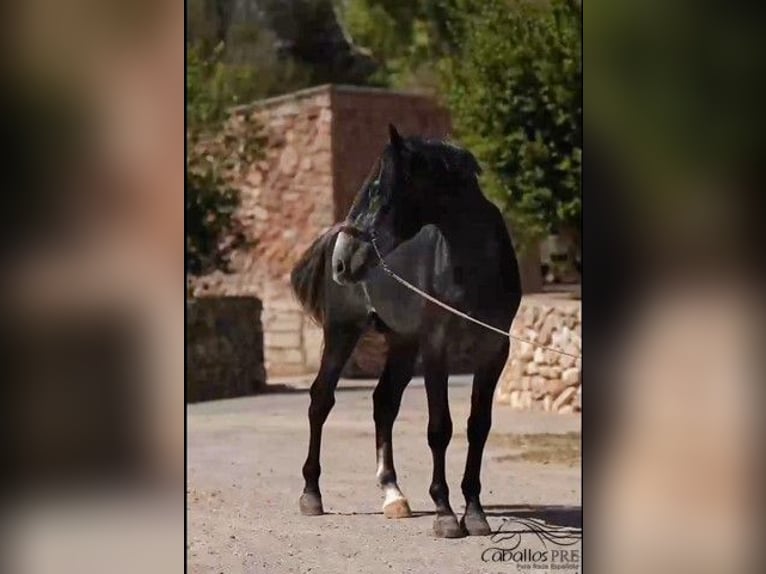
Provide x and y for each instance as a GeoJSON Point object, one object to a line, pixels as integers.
{"type": "Point", "coordinates": [399, 508]}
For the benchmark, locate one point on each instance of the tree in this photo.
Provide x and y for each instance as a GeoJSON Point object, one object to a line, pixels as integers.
{"type": "Point", "coordinates": [514, 87]}
{"type": "Point", "coordinates": [405, 37]}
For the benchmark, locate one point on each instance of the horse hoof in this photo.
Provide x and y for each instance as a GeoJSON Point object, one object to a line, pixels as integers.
{"type": "Point", "coordinates": [399, 508]}
{"type": "Point", "coordinates": [446, 526]}
{"type": "Point", "coordinates": [475, 525]}
{"type": "Point", "coordinates": [311, 504]}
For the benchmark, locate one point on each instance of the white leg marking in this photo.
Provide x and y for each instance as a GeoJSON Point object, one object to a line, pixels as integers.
{"type": "Point", "coordinates": [392, 493]}
{"type": "Point", "coordinates": [390, 490]}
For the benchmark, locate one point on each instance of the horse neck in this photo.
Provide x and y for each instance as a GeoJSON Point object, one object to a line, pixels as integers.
{"type": "Point", "coordinates": [463, 216]}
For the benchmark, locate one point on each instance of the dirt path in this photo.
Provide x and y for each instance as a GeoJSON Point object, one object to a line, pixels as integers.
{"type": "Point", "coordinates": [244, 478]}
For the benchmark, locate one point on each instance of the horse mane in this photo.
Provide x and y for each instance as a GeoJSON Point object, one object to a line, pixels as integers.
{"type": "Point", "coordinates": [444, 155]}
{"type": "Point", "coordinates": [308, 276]}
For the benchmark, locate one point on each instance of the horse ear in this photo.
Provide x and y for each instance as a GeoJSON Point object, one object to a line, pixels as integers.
{"type": "Point", "coordinates": [394, 137]}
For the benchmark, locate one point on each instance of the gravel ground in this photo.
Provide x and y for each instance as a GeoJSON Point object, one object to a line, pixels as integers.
{"type": "Point", "coordinates": [244, 459]}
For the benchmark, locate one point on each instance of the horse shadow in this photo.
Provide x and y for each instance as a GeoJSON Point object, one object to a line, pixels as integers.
{"type": "Point", "coordinates": [282, 388]}
{"type": "Point", "coordinates": [553, 515]}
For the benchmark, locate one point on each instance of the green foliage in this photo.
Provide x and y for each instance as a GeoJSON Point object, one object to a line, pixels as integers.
{"type": "Point", "coordinates": [210, 205]}
{"type": "Point", "coordinates": [510, 71]}
{"type": "Point", "coordinates": [406, 38]}
{"type": "Point", "coordinates": [213, 153]}
{"type": "Point", "coordinates": [514, 86]}
{"type": "Point", "coordinates": [209, 89]}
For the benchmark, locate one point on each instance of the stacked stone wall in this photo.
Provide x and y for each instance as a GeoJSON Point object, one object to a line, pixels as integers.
{"type": "Point", "coordinates": [539, 379]}
{"type": "Point", "coordinates": [224, 348]}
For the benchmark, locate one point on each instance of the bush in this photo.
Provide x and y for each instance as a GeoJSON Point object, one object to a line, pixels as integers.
{"type": "Point", "coordinates": [514, 86]}
{"type": "Point", "coordinates": [213, 154]}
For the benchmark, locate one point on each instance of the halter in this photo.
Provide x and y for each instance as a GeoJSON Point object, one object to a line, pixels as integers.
{"type": "Point", "coordinates": [355, 232]}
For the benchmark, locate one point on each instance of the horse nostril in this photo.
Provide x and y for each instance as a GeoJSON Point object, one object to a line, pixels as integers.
{"type": "Point", "coordinates": [339, 267]}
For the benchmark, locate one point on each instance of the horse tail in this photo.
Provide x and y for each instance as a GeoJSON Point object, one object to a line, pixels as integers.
{"type": "Point", "coordinates": [308, 276]}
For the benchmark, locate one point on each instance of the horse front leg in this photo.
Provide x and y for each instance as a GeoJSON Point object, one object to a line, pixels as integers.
{"type": "Point", "coordinates": [387, 399]}
{"type": "Point", "coordinates": [339, 343]}
{"type": "Point", "coordinates": [439, 436]}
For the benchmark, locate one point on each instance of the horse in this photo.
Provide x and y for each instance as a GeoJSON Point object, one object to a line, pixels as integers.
{"type": "Point", "coordinates": [421, 214]}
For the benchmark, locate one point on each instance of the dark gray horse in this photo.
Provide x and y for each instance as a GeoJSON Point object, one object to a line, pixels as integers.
{"type": "Point", "coordinates": [422, 208]}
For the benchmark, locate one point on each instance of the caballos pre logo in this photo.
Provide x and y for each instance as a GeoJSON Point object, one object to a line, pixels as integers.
{"type": "Point", "coordinates": [556, 541]}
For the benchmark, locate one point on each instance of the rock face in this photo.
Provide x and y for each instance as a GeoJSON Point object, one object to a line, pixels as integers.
{"type": "Point", "coordinates": [224, 348]}
{"type": "Point", "coordinates": [320, 145]}
{"type": "Point", "coordinates": [536, 378]}
{"type": "Point", "coordinates": [308, 31]}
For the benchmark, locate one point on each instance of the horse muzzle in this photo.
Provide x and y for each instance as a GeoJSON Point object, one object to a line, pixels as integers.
{"type": "Point", "coordinates": [351, 256]}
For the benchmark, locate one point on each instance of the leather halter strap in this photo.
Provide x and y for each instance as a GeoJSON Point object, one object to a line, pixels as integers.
{"type": "Point", "coordinates": [355, 232]}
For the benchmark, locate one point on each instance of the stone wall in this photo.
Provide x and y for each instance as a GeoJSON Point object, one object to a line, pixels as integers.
{"type": "Point", "coordinates": [292, 342]}
{"type": "Point", "coordinates": [286, 203]}
{"type": "Point", "coordinates": [224, 348]}
{"type": "Point", "coordinates": [287, 196]}
{"type": "Point", "coordinates": [537, 379]}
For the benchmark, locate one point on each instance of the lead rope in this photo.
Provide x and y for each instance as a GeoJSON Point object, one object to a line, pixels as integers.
{"type": "Point", "coordinates": [454, 311]}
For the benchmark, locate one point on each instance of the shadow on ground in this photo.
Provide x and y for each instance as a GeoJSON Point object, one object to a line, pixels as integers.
{"type": "Point", "coordinates": [302, 385]}
{"type": "Point", "coordinates": [555, 515]}
{"type": "Point", "coordinates": [290, 389]}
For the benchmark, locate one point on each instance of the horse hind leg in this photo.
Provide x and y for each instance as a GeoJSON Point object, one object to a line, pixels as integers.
{"type": "Point", "coordinates": [339, 343]}
{"type": "Point", "coordinates": [387, 399]}
{"type": "Point", "coordinates": [474, 520]}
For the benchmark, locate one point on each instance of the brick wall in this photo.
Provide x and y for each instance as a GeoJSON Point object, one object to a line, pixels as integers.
{"type": "Point", "coordinates": [360, 132]}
